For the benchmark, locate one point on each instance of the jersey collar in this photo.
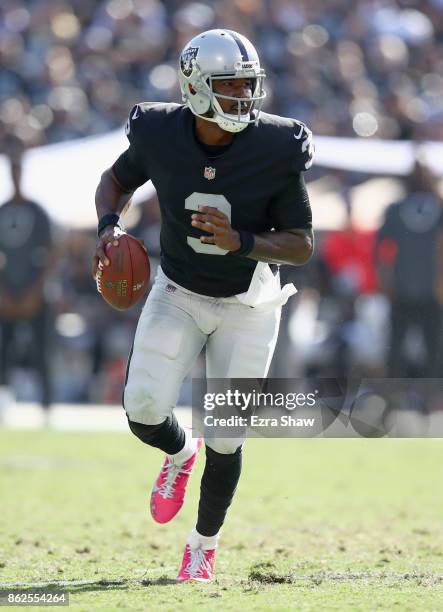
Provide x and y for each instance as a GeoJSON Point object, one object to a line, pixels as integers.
{"type": "Point", "coordinates": [238, 143]}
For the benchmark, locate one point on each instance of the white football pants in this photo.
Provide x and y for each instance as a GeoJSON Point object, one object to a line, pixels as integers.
{"type": "Point", "coordinates": [174, 326]}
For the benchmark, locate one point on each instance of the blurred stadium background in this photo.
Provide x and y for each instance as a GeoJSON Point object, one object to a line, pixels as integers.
{"type": "Point", "coordinates": [368, 71]}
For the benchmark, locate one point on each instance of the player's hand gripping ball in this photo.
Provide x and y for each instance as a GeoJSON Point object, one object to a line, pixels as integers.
{"type": "Point", "coordinates": [124, 281]}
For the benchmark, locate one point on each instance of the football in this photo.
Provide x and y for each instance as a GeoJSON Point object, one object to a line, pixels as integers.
{"type": "Point", "coordinates": [125, 280]}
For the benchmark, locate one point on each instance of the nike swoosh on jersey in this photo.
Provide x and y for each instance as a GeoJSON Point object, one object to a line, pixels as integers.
{"type": "Point", "coordinates": [300, 134]}
{"type": "Point", "coordinates": [136, 114]}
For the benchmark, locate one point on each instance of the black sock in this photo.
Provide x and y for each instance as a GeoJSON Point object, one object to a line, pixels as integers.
{"type": "Point", "coordinates": [169, 436]}
{"type": "Point", "coordinates": [217, 489]}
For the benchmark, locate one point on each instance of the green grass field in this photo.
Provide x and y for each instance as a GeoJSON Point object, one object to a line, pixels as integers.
{"type": "Point", "coordinates": [316, 525]}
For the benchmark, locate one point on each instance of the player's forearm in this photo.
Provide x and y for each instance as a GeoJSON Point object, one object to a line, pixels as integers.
{"type": "Point", "coordinates": [110, 197]}
{"type": "Point", "coordinates": [293, 247]}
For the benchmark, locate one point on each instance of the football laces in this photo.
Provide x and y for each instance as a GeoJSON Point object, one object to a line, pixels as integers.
{"type": "Point", "coordinates": [98, 277]}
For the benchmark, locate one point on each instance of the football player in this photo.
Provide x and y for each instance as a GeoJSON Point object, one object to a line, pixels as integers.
{"type": "Point", "coordinates": [229, 179]}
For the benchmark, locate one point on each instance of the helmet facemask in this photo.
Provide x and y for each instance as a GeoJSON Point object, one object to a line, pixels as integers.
{"type": "Point", "coordinates": [237, 120]}
{"type": "Point", "coordinates": [200, 84]}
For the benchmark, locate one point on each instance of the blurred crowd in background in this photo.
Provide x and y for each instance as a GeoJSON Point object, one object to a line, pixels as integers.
{"type": "Point", "coordinates": [369, 302]}
{"type": "Point", "coordinates": [371, 67]}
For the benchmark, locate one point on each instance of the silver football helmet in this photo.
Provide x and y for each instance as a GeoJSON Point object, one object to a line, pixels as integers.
{"type": "Point", "coordinates": [220, 55]}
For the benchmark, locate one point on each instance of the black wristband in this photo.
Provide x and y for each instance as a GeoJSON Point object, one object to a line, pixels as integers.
{"type": "Point", "coordinates": [110, 219]}
{"type": "Point", "coordinates": [247, 241]}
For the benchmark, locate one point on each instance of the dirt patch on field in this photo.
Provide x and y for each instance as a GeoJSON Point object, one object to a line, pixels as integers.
{"type": "Point", "coordinates": [268, 573]}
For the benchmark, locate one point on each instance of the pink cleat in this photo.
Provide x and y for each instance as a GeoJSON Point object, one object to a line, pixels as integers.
{"type": "Point", "coordinates": [168, 493]}
{"type": "Point", "coordinates": [197, 564]}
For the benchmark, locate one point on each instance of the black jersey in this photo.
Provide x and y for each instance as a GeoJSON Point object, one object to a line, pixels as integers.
{"type": "Point", "coordinates": [256, 182]}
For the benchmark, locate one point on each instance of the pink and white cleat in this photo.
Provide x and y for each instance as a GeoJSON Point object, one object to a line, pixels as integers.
{"type": "Point", "coordinates": [168, 493]}
{"type": "Point", "coordinates": [198, 564]}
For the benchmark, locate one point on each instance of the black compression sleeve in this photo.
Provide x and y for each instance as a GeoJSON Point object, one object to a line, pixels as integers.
{"type": "Point", "coordinates": [218, 484]}
{"type": "Point", "coordinates": [291, 208]}
{"type": "Point", "coordinates": [168, 436]}
{"type": "Point", "coordinates": [129, 171]}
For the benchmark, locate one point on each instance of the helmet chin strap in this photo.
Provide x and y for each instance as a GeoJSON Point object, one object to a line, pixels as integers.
{"type": "Point", "coordinates": [227, 121]}
{"type": "Point", "coordinates": [231, 123]}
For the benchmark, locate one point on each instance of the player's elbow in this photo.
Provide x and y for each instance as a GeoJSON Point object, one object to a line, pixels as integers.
{"type": "Point", "coordinates": [303, 248]}
{"type": "Point", "coordinates": [303, 255]}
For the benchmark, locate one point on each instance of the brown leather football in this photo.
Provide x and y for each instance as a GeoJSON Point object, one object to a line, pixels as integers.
{"type": "Point", "coordinates": [126, 279]}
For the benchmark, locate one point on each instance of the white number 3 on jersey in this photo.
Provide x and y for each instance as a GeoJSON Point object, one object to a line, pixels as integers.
{"type": "Point", "coordinates": [207, 199]}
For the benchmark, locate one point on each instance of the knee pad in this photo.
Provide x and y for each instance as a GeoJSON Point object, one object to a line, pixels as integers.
{"type": "Point", "coordinates": [144, 405]}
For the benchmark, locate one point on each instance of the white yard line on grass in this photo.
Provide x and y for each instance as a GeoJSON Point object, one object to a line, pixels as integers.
{"type": "Point", "coordinates": [64, 583]}
{"type": "Point", "coordinates": [73, 417]}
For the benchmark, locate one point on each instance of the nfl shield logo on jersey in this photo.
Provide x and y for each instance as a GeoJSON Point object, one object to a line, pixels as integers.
{"type": "Point", "coordinates": [209, 173]}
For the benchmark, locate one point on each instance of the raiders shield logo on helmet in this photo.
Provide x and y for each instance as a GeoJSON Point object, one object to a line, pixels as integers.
{"type": "Point", "coordinates": [186, 60]}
